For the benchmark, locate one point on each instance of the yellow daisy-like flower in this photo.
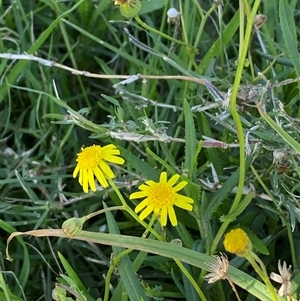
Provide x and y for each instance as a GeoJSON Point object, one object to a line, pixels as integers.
{"type": "Point", "coordinates": [237, 242]}
{"type": "Point", "coordinates": [129, 8]}
{"type": "Point", "coordinates": [92, 161]}
{"type": "Point", "coordinates": [161, 197]}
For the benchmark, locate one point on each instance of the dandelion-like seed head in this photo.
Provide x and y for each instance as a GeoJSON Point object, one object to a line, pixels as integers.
{"type": "Point", "coordinates": [284, 278]}
{"type": "Point", "coordinates": [129, 8]}
{"type": "Point", "coordinates": [92, 162]}
{"type": "Point", "coordinates": [173, 16]}
{"type": "Point", "coordinates": [218, 269]}
{"type": "Point", "coordinates": [237, 242]}
{"type": "Point", "coordinates": [161, 197]}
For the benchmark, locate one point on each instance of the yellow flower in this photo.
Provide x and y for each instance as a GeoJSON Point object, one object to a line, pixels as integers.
{"type": "Point", "coordinates": [237, 242]}
{"type": "Point", "coordinates": [161, 197]}
{"type": "Point", "coordinates": [92, 161]}
{"type": "Point", "coordinates": [129, 8]}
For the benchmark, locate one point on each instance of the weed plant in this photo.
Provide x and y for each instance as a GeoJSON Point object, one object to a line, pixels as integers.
{"type": "Point", "coordinates": [197, 112]}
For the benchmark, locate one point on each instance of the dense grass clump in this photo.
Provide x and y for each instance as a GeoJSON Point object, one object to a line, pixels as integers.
{"type": "Point", "coordinates": [148, 153]}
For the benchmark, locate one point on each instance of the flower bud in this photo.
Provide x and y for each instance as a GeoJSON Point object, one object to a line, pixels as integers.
{"type": "Point", "coordinates": [58, 293]}
{"type": "Point", "coordinates": [72, 226]}
{"type": "Point", "coordinates": [237, 242]}
{"type": "Point", "coordinates": [129, 8]}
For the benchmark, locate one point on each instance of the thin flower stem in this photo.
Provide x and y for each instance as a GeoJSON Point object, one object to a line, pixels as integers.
{"type": "Point", "coordinates": [102, 211]}
{"type": "Point", "coordinates": [292, 246]}
{"type": "Point", "coordinates": [118, 257]}
{"type": "Point", "coordinates": [261, 182]}
{"type": "Point", "coordinates": [202, 24]}
{"type": "Point", "coordinates": [143, 24]}
{"type": "Point", "coordinates": [197, 40]}
{"type": "Point", "coordinates": [113, 263]}
{"type": "Point", "coordinates": [149, 227]}
{"type": "Point", "coordinates": [130, 211]}
{"type": "Point", "coordinates": [191, 279]}
{"type": "Point", "coordinates": [260, 269]}
{"type": "Point", "coordinates": [234, 289]}
{"type": "Point", "coordinates": [237, 120]}
{"type": "Point", "coordinates": [3, 285]}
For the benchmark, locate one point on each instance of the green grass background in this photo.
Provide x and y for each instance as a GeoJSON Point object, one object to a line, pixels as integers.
{"type": "Point", "coordinates": [48, 114]}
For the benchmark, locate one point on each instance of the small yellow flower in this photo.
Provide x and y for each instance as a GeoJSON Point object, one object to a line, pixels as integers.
{"type": "Point", "coordinates": [92, 161]}
{"type": "Point", "coordinates": [161, 197]}
{"type": "Point", "coordinates": [237, 242]}
{"type": "Point", "coordinates": [129, 8]}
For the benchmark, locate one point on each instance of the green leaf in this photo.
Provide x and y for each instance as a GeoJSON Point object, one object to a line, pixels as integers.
{"type": "Point", "coordinates": [31, 194]}
{"type": "Point", "coordinates": [139, 165]}
{"type": "Point", "coordinates": [289, 33]}
{"type": "Point", "coordinates": [151, 5]}
{"type": "Point", "coordinates": [285, 136]}
{"type": "Point", "coordinates": [197, 259]}
{"type": "Point", "coordinates": [190, 292]}
{"type": "Point", "coordinates": [128, 276]}
{"type": "Point", "coordinates": [169, 168]}
{"type": "Point", "coordinates": [72, 274]}
{"type": "Point", "coordinates": [218, 197]}
{"type": "Point", "coordinates": [111, 100]}
{"type": "Point", "coordinates": [25, 263]}
{"type": "Point", "coordinates": [20, 66]}
{"type": "Point", "coordinates": [212, 153]}
{"type": "Point", "coordinates": [242, 206]}
{"type": "Point", "coordinates": [196, 154]}
{"type": "Point", "coordinates": [257, 243]}
{"type": "Point", "coordinates": [190, 136]}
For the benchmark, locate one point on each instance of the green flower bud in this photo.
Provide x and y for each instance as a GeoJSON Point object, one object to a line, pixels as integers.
{"type": "Point", "coordinates": [72, 226]}
{"type": "Point", "coordinates": [58, 293]}
{"type": "Point", "coordinates": [129, 8]}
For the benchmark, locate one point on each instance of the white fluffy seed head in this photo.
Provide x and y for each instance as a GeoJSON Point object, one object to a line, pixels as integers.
{"type": "Point", "coordinates": [172, 13]}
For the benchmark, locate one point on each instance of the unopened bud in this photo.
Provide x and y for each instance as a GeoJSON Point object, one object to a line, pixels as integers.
{"type": "Point", "coordinates": [58, 293]}
{"type": "Point", "coordinates": [129, 8]}
{"type": "Point", "coordinates": [260, 20]}
{"type": "Point", "coordinates": [72, 226]}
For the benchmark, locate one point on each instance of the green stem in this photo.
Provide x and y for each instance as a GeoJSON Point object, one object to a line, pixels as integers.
{"type": "Point", "coordinates": [118, 257]}
{"type": "Point", "coordinates": [102, 211]}
{"type": "Point", "coordinates": [191, 279]}
{"type": "Point", "coordinates": [261, 182]}
{"type": "Point", "coordinates": [292, 246]}
{"type": "Point", "coordinates": [130, 211]}
{"type": "Point", "coordinates": [113, 264]}
{"type": "Point", "coordinates": [197, 39]}
{"type": "Point", "coordinates": [237, 120]}
{"type": "Point", "coordinates": [146, 26]}
{"type": "Point", "coordinates": [4, 287]}
{"type": "Point", "coordinates": [202, 24]}
{"type": "Point", "coordinates": [260, 269]}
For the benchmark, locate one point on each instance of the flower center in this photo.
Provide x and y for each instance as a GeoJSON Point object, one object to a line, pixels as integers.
{"type": "Point", "coordinates": [161, 195]}
{"type": "Point", "coordinates": [236, 241]}
{"type": "Point", "coordinates": [90, 157]}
